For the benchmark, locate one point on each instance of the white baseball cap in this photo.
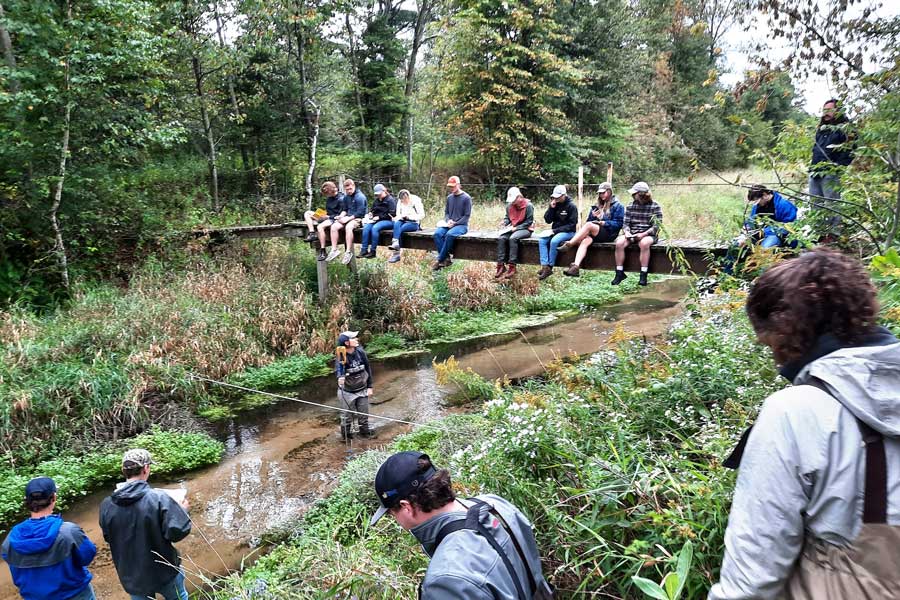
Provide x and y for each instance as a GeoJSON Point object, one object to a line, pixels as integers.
{"type": "Point", "coordinates": [558, 191]}
{"type": "Point", "coordinates": [604, 186]}
{"type": "Point", "coordinates": [640, 186]}
{"type": "Point", "coordinates": [513, 194]}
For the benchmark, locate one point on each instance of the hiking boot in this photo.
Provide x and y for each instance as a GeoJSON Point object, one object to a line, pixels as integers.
{"type": "Point", "coordinates": [333, 254]}
{"type": "Point", "coordinates": [371, 254]}
{"type": "Point", "coordinates": [346, 432]}
{"type": "Point", "coordinates": [510, 271]}
{"type": "Point", "coordinates": [573, 271]}
{"type": "Point", "coordinates": [437, 265]}
{"type": "Point", "coordinates": [501, 269]}
{"type": "Point", "coordinates": [642, 280]}
{"type": "Point", "coordinates": [546, 271]}
{"type": "Point", "coordinates": [395, 257]}
{"type": "Point", "coordinates": [395, 244]}
{"type": "Point", "coordinates": [619, 278]}
{"type": "Point", "coordinates": [312, 236]}
{"type": "Point", "coordinates": [362, 254]}
{"type": "Point", "coordinates": [367, 433]}
{"type": "Point", "coordinates": [348, 256]}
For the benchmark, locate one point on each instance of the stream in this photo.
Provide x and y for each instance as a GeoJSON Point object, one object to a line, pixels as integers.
{"type": "Point", "coordinates": [280, 460]}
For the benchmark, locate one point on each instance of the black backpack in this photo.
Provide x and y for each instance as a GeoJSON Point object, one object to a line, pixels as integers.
{"type": "Point", "coordinates": [473, 523]}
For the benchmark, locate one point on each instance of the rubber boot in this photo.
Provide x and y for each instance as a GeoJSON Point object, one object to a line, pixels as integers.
{"type": "Point", "coordinates": [643, 278]}
{"type": "Point", "coordinates": [366, 432]}
{"type": "Point", "coordinates": [619, 278]}
{"type": "Point", "coordinates": [346, 432]}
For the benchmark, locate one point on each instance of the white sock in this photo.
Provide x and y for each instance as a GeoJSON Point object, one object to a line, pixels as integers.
{"type": "Point", "coordinates": [622, 268]}
{"type": "Point", "coordinates": [643, 269]}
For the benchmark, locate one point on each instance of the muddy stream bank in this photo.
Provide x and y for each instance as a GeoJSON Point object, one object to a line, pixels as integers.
{"type": "Point", "coordinates": [280, 460]}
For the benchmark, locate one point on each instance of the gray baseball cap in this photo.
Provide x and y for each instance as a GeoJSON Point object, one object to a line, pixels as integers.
{"type": "Point", "coordinates": [558, 191]}
{"type": "Point", "coordinates": [640, 186]}
{"type": "Point", "coordinates": [379, 188]}
{"type": "Point", "coordinates": [604, 186]}
{"type": "Point", "coordinates": [136, 457]}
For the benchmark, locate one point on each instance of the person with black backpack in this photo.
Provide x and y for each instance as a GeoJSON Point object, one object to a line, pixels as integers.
{"type": "Point", "coordinates": [354, 375]}
{"type": "Point", "coordinates": [464, 538]}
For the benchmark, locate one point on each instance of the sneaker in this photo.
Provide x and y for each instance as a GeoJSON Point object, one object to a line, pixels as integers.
{"type": "Point", "coordinates": [348, 256]}
{"type": "Point", "coordinates": [362, 254]}
{"type": "Point", "coordinates": [546, 271]}
{"type": "Point", "coordinates": [333, 254]}
{"type": "Point", "coordinates": [395, 244]}
{"type": "Point", "coordinates": [395, 258]}
{"type": "Point", "coordinates": [619, 278]}
{"type": "Point", "coordinates": [573, 271]}
{"type": "Point", "coordinates": [322, 254]}
{"type": "Point", "coordinates": [312, 236]}
{"type": "Point", "coordinates": [642, 280]}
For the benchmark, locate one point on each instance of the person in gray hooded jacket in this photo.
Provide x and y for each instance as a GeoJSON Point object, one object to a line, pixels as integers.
{"type": "Point", "coordinates": [481, 549]}
{"type": "Point", "coordinates": [816, 510]}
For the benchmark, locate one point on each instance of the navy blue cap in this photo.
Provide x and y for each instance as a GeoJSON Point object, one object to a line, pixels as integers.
{"type": "Point", "coordinates": [398, 476]}
{"type": "Point", "coordinates": [40, 488]}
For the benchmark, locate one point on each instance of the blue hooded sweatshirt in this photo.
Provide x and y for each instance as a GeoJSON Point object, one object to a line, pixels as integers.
{"type": "Point", "coordinates": [785, 212]}
{"type": "Point", "coordinates": [48, 558]}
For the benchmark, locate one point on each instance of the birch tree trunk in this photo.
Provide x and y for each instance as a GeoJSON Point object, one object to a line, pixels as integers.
{"type": "Point", "coordinates": [207, 128]}
{"type": "Point", "coordinates": [59, 247]}
{"type": "Point", "coordinates": [312, 146]}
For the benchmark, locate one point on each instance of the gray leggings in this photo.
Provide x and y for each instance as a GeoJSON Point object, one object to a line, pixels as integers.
{"type": "Point", "coordinates": [357, 401]}
{"type": "Point", "coordinates": [508, 246]}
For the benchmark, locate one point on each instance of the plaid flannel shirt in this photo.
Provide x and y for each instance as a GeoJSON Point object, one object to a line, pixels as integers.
{"type": "Point", "coordinates": [643, 217]}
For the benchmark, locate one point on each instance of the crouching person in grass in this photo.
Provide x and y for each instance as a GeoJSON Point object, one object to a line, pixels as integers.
{"type": "Point", "coordinates": [354, 376]}
{"type": "Point", "coordinates": [816, 510]}
{"type": "Point", "coordinates": [769, 208]}
{"type": "Point", "coordinates": [48, 557]}
{"type": "Point", "coordinates": [518, 225]}
{"type": "Point", "coordinates": [482, 548]}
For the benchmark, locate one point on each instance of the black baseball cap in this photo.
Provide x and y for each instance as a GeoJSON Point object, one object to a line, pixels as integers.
{"type": "Point", "coordinates": [397, 477]}
{"type": "Point", "coordinates": [40, 488]}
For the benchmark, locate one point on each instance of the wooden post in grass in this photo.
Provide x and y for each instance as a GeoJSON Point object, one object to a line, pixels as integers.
{"type": "Point", "coordinates": [581, 218]}
{"type": "Point", "coordinates": [609, 171]}
{"type": "Point", "coordinates": [322, 280]}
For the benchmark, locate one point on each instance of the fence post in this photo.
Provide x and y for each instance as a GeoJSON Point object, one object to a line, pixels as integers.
{"type": "Point", "coordinates": [609, 171]}
{"type": "Point", "coordinates": [581, 218]}
{"type": "Point", "coordinates": [322, 280]}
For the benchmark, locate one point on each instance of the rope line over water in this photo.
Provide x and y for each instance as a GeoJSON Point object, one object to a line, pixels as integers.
{"type": "Point", "coordinates": [309, 402]}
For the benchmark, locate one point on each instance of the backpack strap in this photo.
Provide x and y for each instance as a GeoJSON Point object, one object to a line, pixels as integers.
{"type": "Point", "coordinates": [532, 584]}
{"type": "Point", "coordinates": [875, 498]}
{"type": "Point", "coordinates": [473, 523]}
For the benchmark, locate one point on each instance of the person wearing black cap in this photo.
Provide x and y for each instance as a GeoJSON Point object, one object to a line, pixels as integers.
{"type": "Point", "coordinates": [354, 375]}
{"type": "Point", "coordinates": [48, 557]}
{"type": "Point", "coordinates": [141, 524]}
{"type": "Point", "coordinates": [480, 548]}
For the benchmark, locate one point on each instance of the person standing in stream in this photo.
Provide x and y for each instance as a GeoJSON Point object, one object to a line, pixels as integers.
{"type": "Point", "coordinates": [354, 377]}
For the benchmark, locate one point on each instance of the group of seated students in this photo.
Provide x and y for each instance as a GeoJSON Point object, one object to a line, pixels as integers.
{"type": "Point", "coordinates": [608, 221]}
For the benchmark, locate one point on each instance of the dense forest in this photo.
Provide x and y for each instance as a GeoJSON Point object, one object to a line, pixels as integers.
{"type": "Point", "coordinates": [123, 121]}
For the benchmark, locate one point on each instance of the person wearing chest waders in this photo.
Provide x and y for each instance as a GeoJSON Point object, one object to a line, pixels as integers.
{"type": "Point", "coordinates": [481, 548]}
{"type": "Point", "coordinates": [816, 510]}
{"type": "Point", "coordinates": [48, 557]}
{"type": "Point", "coordinates": [354, 375]}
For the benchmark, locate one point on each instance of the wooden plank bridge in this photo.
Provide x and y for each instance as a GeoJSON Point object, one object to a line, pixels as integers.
{"type": "Point", "coordinates": [668, 256]}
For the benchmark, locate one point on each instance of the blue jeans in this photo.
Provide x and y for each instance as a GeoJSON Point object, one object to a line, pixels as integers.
{"type": "Point", "coordinates": [401, 227]}
{"type": "Point", "coordinates": [371, 233]}
{"type": "Point", "coordinates": [548, 246]}
{"type": "Point", "coordinates": [826, 188]}
{"type": "Point", "coordinates": [770, 241]}
{"type": "Point", "coordinates": [174, 590]}
{"type": "Point", "coordinates": [444, 239]}
{"type": "Point", "coordinates": [85, 594]}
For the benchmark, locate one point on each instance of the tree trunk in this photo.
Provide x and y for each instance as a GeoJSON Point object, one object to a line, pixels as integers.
{"type": "Point", "coordinates": [235, 109]}
{"type": "Point", "coordinates": [312, 145]}
{"type": "Point", "coordinates": [895, 165]}
{"type": "Point", "coordinates": [207, 128]}
{"type": "Point", "coordinates": [8, 57]}
{"type": "Point", "coordinates": [422, 19]}
{"type": "Point", "coordinates": [355, 68]}
{"type": "Point", "coordinates": [59, 247]}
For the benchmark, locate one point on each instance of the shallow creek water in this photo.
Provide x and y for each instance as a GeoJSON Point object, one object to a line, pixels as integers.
{"type": "Point", "coordinates": [280, 460]}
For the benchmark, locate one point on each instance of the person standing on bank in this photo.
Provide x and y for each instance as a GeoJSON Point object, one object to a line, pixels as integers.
{"type": "Point", "coordinates": [816, 509]}
{"type": "Point", "coordinates": [457, 211]}
{"type": "Point", "coordinates": [643, 218]}
{"type": "Point", "coordinates": [380, 218]}
{"type": "Point", "coordinates": [603, 225]}
{"type": "Point", "coordinates": [141, 526]}
{"type": "Point", "coordinates": [354, 378]}
{"type": "Point", "coordinates": [355, 207]}
{"type": "Point", "coordinates": [518, 225]}
{"type": "Point", "coordinates": [829, 153]}
{"type": "Point", "coordinates": [482, 548]}
{"type": "Point", "coordinates": [410, 213]}
{"type": "Point", "coordinates": [318, 227]}
{"type": "Point", "coordinates": [48, 557]}
{"type": "Point", "coordinates": [563, 218]}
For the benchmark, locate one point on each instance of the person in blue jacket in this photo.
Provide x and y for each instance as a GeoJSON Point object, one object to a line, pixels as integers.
{"type": "Point", "coordinates": [381, 217]}
{"type": "Point", "coordinates": [603, 225]}
{"type": "Point", "coordinates": [769, 208]}
{"type": "Point", "coordinates": [562, 214]}
{"type": "Point", "coordinates": [48, 557]}
{"type": "Point", "coordinates": [355, 207]}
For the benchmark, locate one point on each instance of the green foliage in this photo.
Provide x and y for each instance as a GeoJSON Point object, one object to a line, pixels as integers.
{"type": "Point", "coordinates": [284, 373]}
{"type": "Point", "coordinates": [673, 582]}
{"type": "Point", "coordinates": [173, 452]}
{"type": "Point", "coordinates": [886, 273]}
